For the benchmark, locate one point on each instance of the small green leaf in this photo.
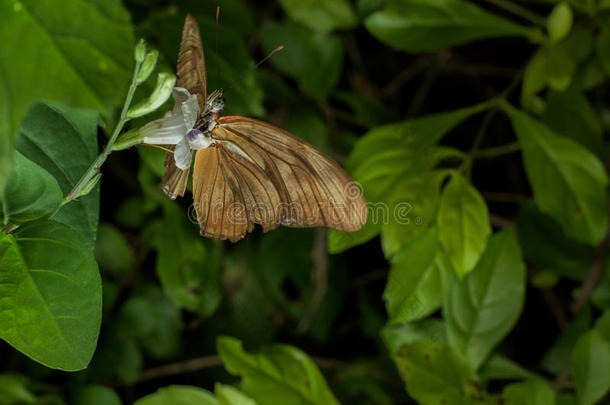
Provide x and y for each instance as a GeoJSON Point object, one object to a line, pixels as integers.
{"type": "Point", "coordinates": [498, 367]}
{"type": "Point", "coordinates": [559, 166]}
{"type": "Point", "coordinates": [187, 266]}
{"type": "Point", "coordinates": [463, 224]}
{"type": "Point", "coordinates": [414, 288]}
{"type": "Point", "coordinates": [591, 367]}
{"type": "Point", "coordinates": [313, 59]}
{"type": "Point", "coordinates": [148, 65]}
{"type": "Point", "coordinates": [427, 330]}
{"type": "Point", "coordinates": [532, 392]}
{"type": "Point", "coordinates": [228, 395]}
{"type": "Point", "coordinates": [279, 374]}
{"type": "Point", "coordinates": [14, 390]}
{"type": "Point", "coordinates": [560, 67]}
{"type": "Point", "coordinates": [559, 22]}
{"type": "Point", "coordinates": [427, 25]}
{"type": "Point", "coordinates": [321, 15]}
{"type": "Point", "coordinates": [31, 193]}
{"type": "Point", "coordinates": [97, 395]}
{"type": "Point", "coordinates": [557, 359]}
{"type": "Point", "coordinates": [534, 80]}
{"type": "Point", "coordinates": [112, 251]}
{"type": "Point", "coordinates": [78, 53]}
{"type": "Point", "coordinates": [603, 47]}
{"type": "Point", "coordinates": [52, 295]}
{"type": "Point", "coordinates": [63, 141]}
{"type": "Point", "coordinates": [179, 395]}
{"type": "Point", "coordinates": [435, 374]}
{"type": "Point", "coordinates": [483, 307]}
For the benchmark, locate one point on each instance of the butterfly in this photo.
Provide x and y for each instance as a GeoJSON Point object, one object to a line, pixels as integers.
{"type": "Point", "coordinates": [251, 172]}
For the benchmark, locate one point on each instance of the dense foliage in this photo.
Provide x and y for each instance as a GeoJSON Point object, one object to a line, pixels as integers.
{"type": "Point", "coordinates": [475, 128]}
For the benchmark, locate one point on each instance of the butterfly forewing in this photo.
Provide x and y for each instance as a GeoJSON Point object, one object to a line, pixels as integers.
{"type": "Point", "coordinates": [191, 76]}
{"type": "Point", "coordinates": [261, 174]}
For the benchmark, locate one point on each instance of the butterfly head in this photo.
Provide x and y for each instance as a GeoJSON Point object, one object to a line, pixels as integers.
{"type": "Point", "coordinates": [215, 102]}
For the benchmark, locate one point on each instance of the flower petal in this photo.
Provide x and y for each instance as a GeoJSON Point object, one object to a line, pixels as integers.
{"type": "Point", "coordinates": [182, 154]}
{"type": "Point", "coordinates": [198, 140]}
{"type": "Point", "coordinates": [190, 111]}
{"type": "Point", "coordinates": [168, 130]}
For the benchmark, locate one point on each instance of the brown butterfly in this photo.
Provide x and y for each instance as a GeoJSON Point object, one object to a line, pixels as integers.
{"type": "Point", "coordinates": [249, 172]}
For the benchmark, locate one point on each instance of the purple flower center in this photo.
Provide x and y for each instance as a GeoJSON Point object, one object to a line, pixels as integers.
{"type": "Point", "coordinates": [193, 133]}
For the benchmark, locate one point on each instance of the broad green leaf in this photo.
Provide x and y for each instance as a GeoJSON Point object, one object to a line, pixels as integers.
{"type": "Point", "coordinates": [559, 22]}
{"type": "Point", "coordinates": [163, 339]}
{"type": "Point", "coordinates": [532, 392]}
{"type": "Point", "coordinates": [591, 367]}
{"type": "Point", "coordinates": [313, 59]}
{"type": "Point", "coordinates": [228, 395]}
{"type": "Point", "coordinates": [603, 47]}
{"type": "Point", "coordinates": [427, 25]}
{"type": "Point", "coordinates": [76, 52]}
{"type": "Point", "coordinates": [97, 395]}
{"type": "Point", "coordinates": [498, 367]}
{"type": "Point", "coordinates": [463, 224]}
{"type": "Point", "coordinates": [601, 295]}
{"type": "Point", "coordinates": [31, 193]}
{"type": "Point", "coordinates": [321, 15]}
{"type": "Point", "coordinates": [187, 266]}
{"type": "Point", "coordinates": [557, 359]}
{"type": "Point", "coordinates": [559, 166]}
{"type": "Point", "coordinates": [387, 156]}
{"type": "Point", "coordinates": [14, 390]}
{"type": "Point", "coordinates": [179, 395]}
{"type": "Point", "coordinates": [546, 247]}
{"type": "Point", "coordinates": [602, 325]}
{"type": "Point", "coordinates": [427, 330]}
{"type": "Point", "coordinates": [279, 374]}
{"type": "Point", "coordinates": [112, 252]}
{"type": "Point", "coordinates": [483, 307]}
{"type": "Point", "coordinates": [435, 374]}
{"type": "Point", "coordinates": [570, 114]}
{"type": "Point", "coordinates": [63, 141]}
{"type": "Point", "coordinates": [51, 289]}
{"type": "Point", "coordinates": [414, 288]}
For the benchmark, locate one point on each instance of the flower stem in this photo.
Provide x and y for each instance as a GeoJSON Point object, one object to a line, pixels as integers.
{"type": "Point", "coordinates": [94, 169]}
{"type": "Point", "coordinates": [520, 11]}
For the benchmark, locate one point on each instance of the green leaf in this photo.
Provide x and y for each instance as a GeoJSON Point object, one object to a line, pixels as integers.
{"type": "Point", "coordinates": [389, 156]}
{"type": "Point", "coordinates": [189, 268]}
{"type": "Point", "coordinates": [63, 141]}
{"type": "Point", "coordinates": [557, 359]}
{"type": "Point", "coordinates": [560, 67]}
{"type": "Point", "coordinates": [498, 367]}
{"type": "Point", "coordinates": [559, 22]}
{"type": "Point", "coordinates": [483, 307]}
{"type": "Point", "coordinates": [228, 395]}
{"type": "Point", "coordinates": [463, 224]}
{"type": "Point", "coordinates": [436, 375]}
{"type": "Point", "coordinates": [534, 80]}
{"type": "Point", "coordinates": [414, 288]}
{"type": "Point", "coordinates": [591, 367]}
{"type": "Point", "coordinates": [557, 166]}
{"type": "Point", "coordinates": [532, 392]}
{"type": "Point", "coordinates": [603, 47]}
{"type": "Point", "coordinates": [14, 390]}
{"type": "Point", "coordinates": [321, 15]}
{"type": "Point", "coordinates": [51, 289]}
{"type": "Point", "coordinates": [427, 330]}
{"type": "Point", "coordinates": [76, 52]}
{"type": "Point", "coordinates": [570, 114]}
{"type": "Point", "coordinates": [31, 193]}
{"type": "Point", "coordinates": [313, 59]}
{"type": "Point", "coordinates": [427, 25]}
{"type": "Point", "coordinates": [179, 395]}
{"type": "Point", "coordinates": [97, 395]}
{"type": "Point", "coordinates": [279, 374]}
{"type": "Point", "coordinates": [112, 251]}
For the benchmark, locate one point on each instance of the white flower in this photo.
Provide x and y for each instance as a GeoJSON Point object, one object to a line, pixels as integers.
{"type": "Point", "coordinates": [177, 128]}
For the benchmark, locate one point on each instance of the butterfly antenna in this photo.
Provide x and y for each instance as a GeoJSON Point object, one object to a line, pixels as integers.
{"type": "Point", "coordinates": [217, 63]}
{"type": "Point", "coordinates": [279, 48]}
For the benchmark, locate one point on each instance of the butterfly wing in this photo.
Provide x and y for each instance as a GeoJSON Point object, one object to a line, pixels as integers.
{"type": "Point", "coordinates": [258, 173]}
{"type": "Point", "coordinates": [191, 76]}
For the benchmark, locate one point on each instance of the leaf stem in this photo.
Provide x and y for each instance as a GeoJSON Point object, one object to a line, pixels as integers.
{"type": "Point", "coordinates": [520, 11]}
{"type": "Point", "coordinates": [94, 169]}
{"type": "Point", "coordinates": [496, 151]}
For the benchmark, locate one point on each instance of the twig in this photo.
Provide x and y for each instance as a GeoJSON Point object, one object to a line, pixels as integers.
{"type": "Point", "coordinates": [555, 307]}
{"type": "Point", "coordinates": [179, 367]}
{"type": "Point", "coordinates": [501, 222]}
{"type": "Point", "coordinates": [496, 151]}
{"type": "Point", "coordinates": [594, 275]}
{"type": "Point", "coordinates": [319, 275]}
{"type": "Point", "coordinates": [519, 11]}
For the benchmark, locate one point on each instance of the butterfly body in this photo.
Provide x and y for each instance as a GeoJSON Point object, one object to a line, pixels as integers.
{"type": "Point", "coordinates": [250, 172]}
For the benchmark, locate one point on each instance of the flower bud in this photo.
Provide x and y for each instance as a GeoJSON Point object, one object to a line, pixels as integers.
{"type": "Point", "coordinates": [559, 22]}
{"type": "Point", "coordinates": [147, 66]}
{"type": "Point", "coordinates": [162, 91]}
{"type": "Point", "coordinates": [140, 52]}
